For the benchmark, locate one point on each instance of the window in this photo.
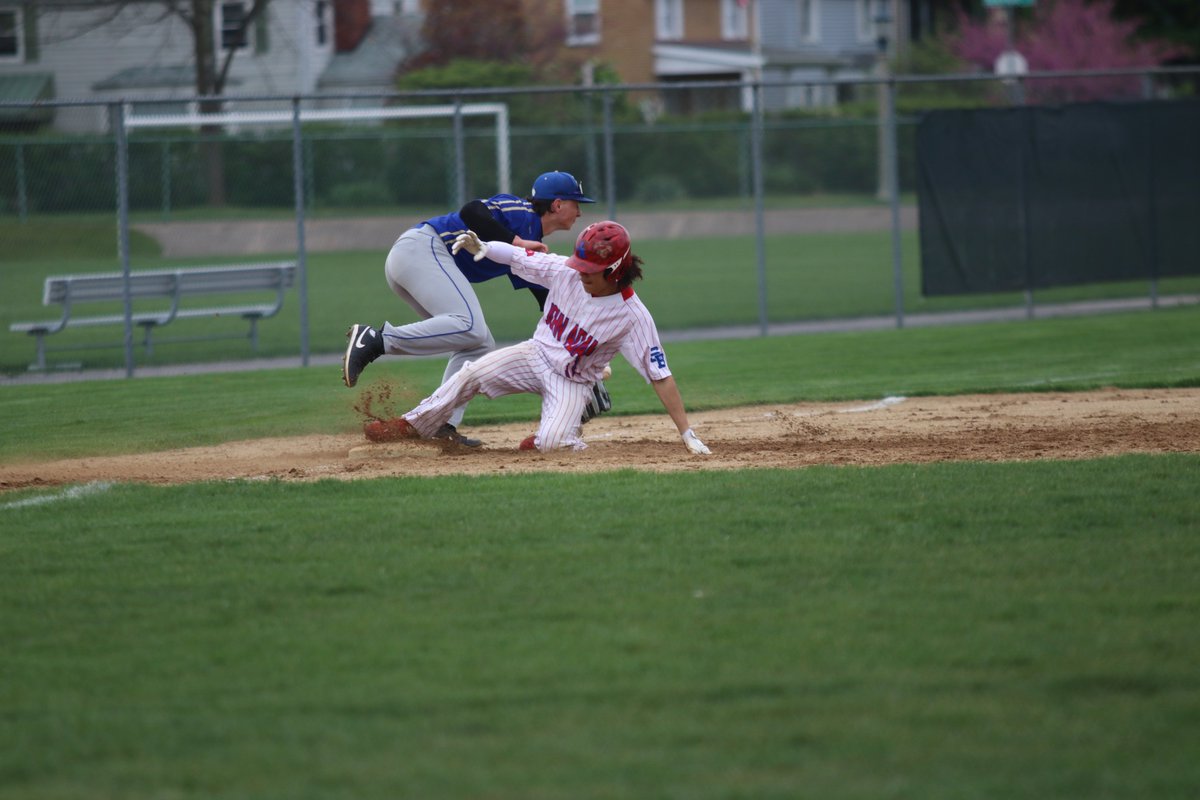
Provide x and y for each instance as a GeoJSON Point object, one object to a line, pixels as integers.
{"type": "Point", "coordinates": [668, 19]}
{"type": "Point", "coordinates": [11, 35]}
{"type": "Point", "coordinates": [583, 21]}
{"type": "Point", "coordinates": [233, 24]}
{"type": "Point", "coordinates": [735, 23]}
{"type": "Point", "coordinates": [322, 22]}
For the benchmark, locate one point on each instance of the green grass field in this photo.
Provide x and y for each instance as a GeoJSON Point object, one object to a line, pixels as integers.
{"type": "Point", "coordinates": [936, 631]}
{"type": "Point", "coordinates": [943, 631]}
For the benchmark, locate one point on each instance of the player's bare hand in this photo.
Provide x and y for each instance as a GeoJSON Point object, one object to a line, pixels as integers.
{"type": "Point", "coordinates": [694, 445]}
{"type": "Point", "coordinates": [533, 247]}
{"type": "Point", "coordinates": [470, 242]}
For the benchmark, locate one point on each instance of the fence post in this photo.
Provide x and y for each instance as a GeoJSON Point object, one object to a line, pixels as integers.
{"type": "Point", "coordinates": [503, 150]}
{"type": "Point", "coordinates": [893, 182]}
{"type": "Point", "coordinates": [756, 173]}
{"type": "Point", "coordinates": [117, 111]}
{"type": "Point", "coordinates": [610, 171]}
{"type": "Point", "coordinates": [22, 199]}
{"type": "Point", "coordinates": [164, 164]}
{"type": "Point", "coordinates": [301, 258]}
{"type": "Point", "coordinates": [743, 149]}
{"type": "Point", "coordinates": [591, 159]}
{"type": "Point", "coordinates": [460, 170]}
{"type": "Point", "coordinates": [1151, 166]}
{"type": "Point", "coordinates": [310, 175]}
{"type": "Point", "coordinates": [1023, 215]}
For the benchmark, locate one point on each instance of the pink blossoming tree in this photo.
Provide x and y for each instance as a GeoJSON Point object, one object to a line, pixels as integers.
{"type": "Point", "coordinates": [1065, 35]}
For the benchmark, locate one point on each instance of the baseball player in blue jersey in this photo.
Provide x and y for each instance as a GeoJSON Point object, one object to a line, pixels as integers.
{"type": "Point", "coordinates": [421, 269]}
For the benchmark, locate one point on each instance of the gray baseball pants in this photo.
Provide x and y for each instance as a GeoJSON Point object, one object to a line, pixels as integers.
{"type": "Point", "coordinates": [422, 272]}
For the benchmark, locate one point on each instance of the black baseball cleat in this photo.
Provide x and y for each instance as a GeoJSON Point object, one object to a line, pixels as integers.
{"type": "Point", "coordinates": [450, 433]}
{"type": "Point", "coordinates": [365, 345]}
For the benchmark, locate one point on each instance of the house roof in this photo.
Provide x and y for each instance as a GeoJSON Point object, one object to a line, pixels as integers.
{"type": "Point", "coordinates": [390, 41]}
{"type": "Point", "coordinates": [678, 59]}
{"type": "Point", "coordinates": [27, 87]}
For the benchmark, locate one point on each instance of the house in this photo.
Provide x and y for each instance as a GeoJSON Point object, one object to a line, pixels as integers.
{"type": "Point", "coordinates": [65, 50]}
{"type": "Point", "coordinates": [676, 41]}
{"type": "Point", "coordinates": [374, 37]}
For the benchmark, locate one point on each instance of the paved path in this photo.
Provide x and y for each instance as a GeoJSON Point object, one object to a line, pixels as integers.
{"type": "Point", "coordinates": [233, 237]}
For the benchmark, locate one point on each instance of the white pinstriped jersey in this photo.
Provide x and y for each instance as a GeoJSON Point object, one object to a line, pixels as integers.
{"type": "Point", "coordinates": [578, 334]}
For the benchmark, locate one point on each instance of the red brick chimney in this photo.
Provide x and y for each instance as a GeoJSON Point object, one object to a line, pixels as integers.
{"type": "Point", "coordinates": [351, 20]}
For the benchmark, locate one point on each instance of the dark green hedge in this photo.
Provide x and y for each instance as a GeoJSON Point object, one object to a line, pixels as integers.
{"type": "Point", "coordinates": [381, 166]}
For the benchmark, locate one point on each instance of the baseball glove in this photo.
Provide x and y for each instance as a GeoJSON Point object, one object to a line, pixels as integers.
{"type": "Point", "coordinates": [598, 403]}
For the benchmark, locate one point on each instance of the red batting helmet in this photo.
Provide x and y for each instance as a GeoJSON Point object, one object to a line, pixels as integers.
{"type": "Point", "coordinates": [602, 247]}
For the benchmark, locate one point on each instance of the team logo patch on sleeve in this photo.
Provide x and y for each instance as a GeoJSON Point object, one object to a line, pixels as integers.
{"type": "Point", "coordinates": [658, 357]}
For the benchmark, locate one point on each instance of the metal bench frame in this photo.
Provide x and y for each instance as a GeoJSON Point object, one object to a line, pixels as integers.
{"type": "Point", "coordinates": [172, 285]}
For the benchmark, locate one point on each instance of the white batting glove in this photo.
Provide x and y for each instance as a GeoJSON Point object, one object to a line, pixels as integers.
{"type": "Point", "coordinates": [470, 242]}
{"type": "Point", "coordinates": [694, 445]}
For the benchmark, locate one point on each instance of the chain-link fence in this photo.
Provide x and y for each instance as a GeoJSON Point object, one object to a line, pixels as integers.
{"type": "Point", "coordinates": [755, 218]}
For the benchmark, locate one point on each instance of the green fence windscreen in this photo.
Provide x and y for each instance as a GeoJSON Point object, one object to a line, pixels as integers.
{"type": "Point", "coordinates": [1034, 197]}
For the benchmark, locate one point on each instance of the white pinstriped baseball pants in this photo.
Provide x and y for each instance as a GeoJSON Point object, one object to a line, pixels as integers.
{"type": "Point", "coordinates": [511, 370]}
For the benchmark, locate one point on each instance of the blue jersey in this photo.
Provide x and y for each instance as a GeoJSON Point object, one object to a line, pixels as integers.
{"type": "Point", "coordinates": [513, 213]}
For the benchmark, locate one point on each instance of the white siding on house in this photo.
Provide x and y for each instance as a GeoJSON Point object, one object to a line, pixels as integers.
{"type": "Point", "coordinates": [304, 57]}
{"type": "Point", "coordinates": [836, 26]}
{"type": "Point", "coordinates": [783, 26]}
{"type": "Point", "coordinates": [776, 18]}
{"type": "Point", "coordinates": [79, 51]}
{"type": "Point", "coordinates": [839, 25]}
{"type": "Point", "coordinates": [799, 95]}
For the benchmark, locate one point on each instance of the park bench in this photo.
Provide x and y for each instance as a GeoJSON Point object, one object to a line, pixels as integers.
{"type": "Point", "coordinates": [171, 286]}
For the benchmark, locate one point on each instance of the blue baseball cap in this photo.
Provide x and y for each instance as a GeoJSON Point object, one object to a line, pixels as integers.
{"type": "Point", "coordinates": [558, 186]}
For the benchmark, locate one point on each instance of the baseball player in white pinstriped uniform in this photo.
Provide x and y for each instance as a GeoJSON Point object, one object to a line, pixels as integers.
{"type": "Point", "coordinates": [590, 315]}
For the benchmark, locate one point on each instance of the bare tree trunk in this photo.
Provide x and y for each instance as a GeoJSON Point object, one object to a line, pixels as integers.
{"type": "Point", "coordinates": [204, 41]}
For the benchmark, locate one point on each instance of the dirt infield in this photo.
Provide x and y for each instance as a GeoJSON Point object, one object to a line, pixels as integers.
{"type": "Point", "coordinates": [997, 427]}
